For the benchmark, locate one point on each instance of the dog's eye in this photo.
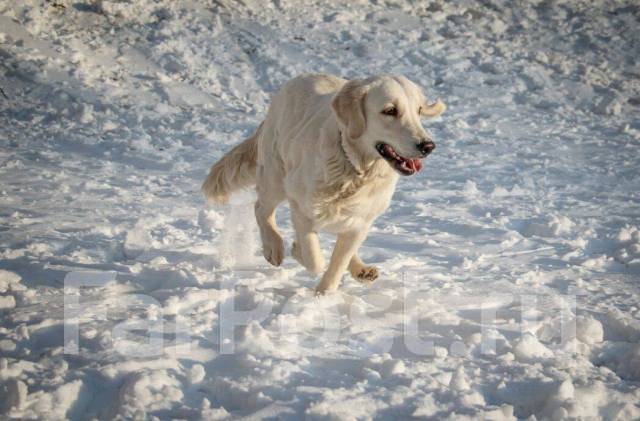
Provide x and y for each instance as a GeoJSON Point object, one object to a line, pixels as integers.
{"type": "Point", "coordinates": [392, 111]}
{"type": "Point", "coordinates": [420, 111]}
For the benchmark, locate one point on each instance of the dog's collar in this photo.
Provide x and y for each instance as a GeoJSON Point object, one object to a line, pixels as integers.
{"type": "Point", "coordinates": [346, 155]}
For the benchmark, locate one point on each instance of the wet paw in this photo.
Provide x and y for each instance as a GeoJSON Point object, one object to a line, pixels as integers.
{"type": "Point", "coordinates": [366, 274]}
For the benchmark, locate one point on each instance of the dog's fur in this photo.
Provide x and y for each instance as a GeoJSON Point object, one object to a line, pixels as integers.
{"type": "Point", "coordinates": [317, 148]}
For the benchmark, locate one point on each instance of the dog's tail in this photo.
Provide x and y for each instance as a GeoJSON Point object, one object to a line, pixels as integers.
{"type": "Point", "coordinates": [234, 171]}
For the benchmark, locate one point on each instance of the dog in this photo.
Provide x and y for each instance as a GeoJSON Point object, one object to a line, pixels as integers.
{"type": "Point", "coordinates": [334, 149]}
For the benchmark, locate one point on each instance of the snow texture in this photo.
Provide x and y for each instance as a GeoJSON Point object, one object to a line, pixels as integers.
{"type": "Point", "coordinates": [509, 265]}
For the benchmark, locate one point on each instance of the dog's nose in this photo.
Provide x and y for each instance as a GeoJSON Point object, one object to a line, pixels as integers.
{"type": "Point", "coordinates": [426, 147]}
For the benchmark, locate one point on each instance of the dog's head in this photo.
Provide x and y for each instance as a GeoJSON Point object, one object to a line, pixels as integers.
{"type": "Point", "coordinates": [381, 116]}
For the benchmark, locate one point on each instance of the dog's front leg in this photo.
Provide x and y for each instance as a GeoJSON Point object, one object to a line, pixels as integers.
{"type": "Point", "coordinates": [346, 246]}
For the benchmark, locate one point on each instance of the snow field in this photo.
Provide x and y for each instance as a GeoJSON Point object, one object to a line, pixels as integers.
{"type": "Point", "coordinates": [510, 266]}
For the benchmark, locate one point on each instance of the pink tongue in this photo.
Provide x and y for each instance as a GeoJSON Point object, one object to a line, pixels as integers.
{"type": "Point", "coordinates": [414, 164]}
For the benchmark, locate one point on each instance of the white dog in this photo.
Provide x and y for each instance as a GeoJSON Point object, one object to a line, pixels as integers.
{"type": "Point", "coordinates": [332, 148]}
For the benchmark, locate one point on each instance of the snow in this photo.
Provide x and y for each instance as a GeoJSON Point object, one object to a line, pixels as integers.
{"type": "Point", "coordinates": [509, 266]}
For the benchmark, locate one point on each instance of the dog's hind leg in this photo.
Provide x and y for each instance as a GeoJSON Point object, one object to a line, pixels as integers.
{"type": "Point", "coordinates": [306, 248]}
{"type": "Point", "coordinates": [269, 197]}
{"type": "Point", "coordinates": [360, 271]}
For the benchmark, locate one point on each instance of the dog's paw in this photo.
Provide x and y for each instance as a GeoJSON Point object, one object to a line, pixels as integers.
{"type": "Point", "coordinates": [327, 286]}
{"type": "Point", "coordinates": [321, 291]}
{"type": "Point", "coordinates": [365, 274]}
{"type": "Point", "coordinates": [273, 251]}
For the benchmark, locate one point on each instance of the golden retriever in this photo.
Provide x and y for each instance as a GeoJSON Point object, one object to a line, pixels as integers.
{"type": "Point", "coordinates": [334, 149]}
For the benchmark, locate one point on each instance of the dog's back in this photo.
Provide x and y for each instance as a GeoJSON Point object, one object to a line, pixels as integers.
{"type": "Point", "coordinates": [299, 102]}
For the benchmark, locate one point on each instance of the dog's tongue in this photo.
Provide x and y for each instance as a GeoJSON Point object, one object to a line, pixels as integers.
{"type": "Point", "coordinates": [414, 164]}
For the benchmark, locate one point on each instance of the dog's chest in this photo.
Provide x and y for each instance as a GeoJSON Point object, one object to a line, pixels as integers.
{"type": "Point", "coordinates": [353, 207]}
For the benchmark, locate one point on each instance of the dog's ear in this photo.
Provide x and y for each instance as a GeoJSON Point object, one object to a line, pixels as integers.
{"type": "Point", "coordinates": [348, 104]}
{"type": "Point", "coordinates": [432, 110]}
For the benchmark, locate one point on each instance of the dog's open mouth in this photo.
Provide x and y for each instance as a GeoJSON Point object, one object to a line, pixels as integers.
{"type": "Point", "coordinates": [405, 166]}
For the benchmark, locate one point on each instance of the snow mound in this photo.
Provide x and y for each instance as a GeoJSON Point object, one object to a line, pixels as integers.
{"type": "Point", "coordinates": [586, 329]}
{"type": "Point", "coordinates": [628, 248]}
{"type": "Point", "coordinates": [529, 349]}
